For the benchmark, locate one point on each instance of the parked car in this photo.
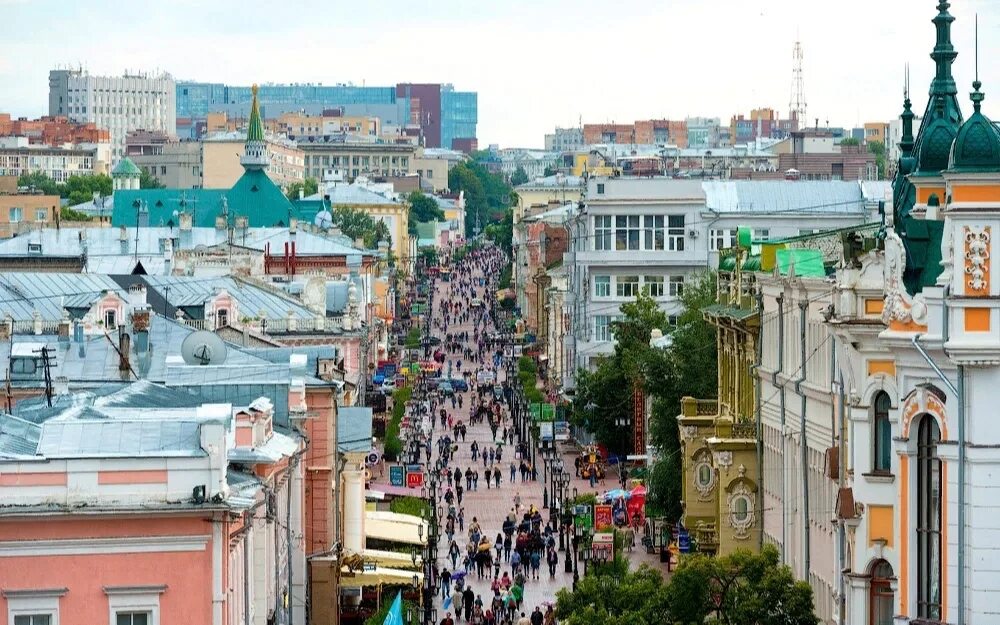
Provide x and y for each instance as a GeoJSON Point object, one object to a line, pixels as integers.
{"type": "Point", "coordinates": [388, 385]}
{"type": "Point", "coordinates": [459, 385]}
{"type": "Point", "coordinates": [445, 388]}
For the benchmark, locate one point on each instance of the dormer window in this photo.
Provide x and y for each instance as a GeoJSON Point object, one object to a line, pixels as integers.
{"type": "Point", "coordinates": [110, 318]}
{"type": "Point", "coordinates": [222, 318]}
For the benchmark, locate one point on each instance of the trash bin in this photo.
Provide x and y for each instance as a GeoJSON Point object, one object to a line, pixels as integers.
{"type": "Point", "coordinates": [664, 554]}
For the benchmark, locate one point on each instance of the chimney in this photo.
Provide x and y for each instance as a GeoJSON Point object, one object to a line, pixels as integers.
{"type": "Point", "coordinates": [64, 328]}
{"type": "Point", "coordinates": [185, 219]}
{"type": "Point", "coordinates": [137, 295]}
{"type": "Point", "coordinates": [359, 243]}
{"type": "Point", "coordinates": [124, 349]}
{"type": "Point", "coordinates": [61, 385]}
{"type": "Point", "coordinates": [122, 234]}
{"type": "Point", "coordinates": [293, 224]}
{"type": "Point", "coordinates": [302, 193]}
{"type": "Point", "coordinates": [77, 332]}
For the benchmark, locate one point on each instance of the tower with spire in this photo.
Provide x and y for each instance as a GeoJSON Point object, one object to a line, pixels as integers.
{"type": "Point", "coordinates": [255, 150]}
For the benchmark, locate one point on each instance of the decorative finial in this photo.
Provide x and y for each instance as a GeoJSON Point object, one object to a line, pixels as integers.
{"type": "Point", "coordinates": [253, 90]}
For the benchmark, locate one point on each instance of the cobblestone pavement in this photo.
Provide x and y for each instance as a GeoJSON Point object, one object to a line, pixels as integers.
{"type": "Point", "coordinates": [490, 506]}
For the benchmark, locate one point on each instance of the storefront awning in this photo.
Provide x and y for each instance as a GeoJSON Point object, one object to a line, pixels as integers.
{"type": "Point", "coordinates": [394, 527]}
{"type": "Point", "coordinates": [392, 559]}
{"type": "Point", "coordinates": [379, 576]}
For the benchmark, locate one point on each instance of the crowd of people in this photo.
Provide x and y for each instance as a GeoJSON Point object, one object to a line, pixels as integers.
{"type": "Point", "coordinates": [504, 559]}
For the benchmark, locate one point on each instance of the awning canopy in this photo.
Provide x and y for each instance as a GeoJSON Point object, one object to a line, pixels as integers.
{"type": "Point", "coordinates": [392, 559]}
{"type": "Point", "coordinates": [379, 576]}
{"type": "Point", "coordinates": [394, 527]}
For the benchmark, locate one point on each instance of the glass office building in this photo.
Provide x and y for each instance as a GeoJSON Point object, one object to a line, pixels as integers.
{"type": "Point", "coordinates": [459, 114]}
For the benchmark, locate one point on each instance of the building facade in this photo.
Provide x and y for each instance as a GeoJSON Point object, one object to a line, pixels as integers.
{"type": "Point", "coordinates": [176, 165]}
{"type": "Point", "coordinates": [221, 167]}
{"type": "Point", "coordinates": [116, 103]}
{"type": "Point", "coordinates": [565, 140]}
{"type": "Point", "coordinates": [358, 159]}
{"type": "Point", "coordinates": [18, 157]}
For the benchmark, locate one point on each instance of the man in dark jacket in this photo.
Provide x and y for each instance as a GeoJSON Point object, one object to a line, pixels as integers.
{"type": "Point", "coordinates": [468, 600]}
{"type": "Point", "coordinates": [536, 617]}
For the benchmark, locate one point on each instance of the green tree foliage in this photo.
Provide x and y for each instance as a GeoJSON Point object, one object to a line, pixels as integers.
{"type": "Point", "coordinates": [518, 177]}
{"type": "Point", "coordinates": [149, 181]}
{"type": "Point", "coordinates": [68, 214]}
{"type": "Point", "coordinates": [738, 589]}
{"type": "Point", "coordinates": [423, 208]}
{"type": "Point", "coordinates": [687, 367]}
{"type": "Point", "coordinates": [308, 187]}
{"type": "Point", "coordinates": [878, 149]}
{"type": "Point", "coordinates": [502, 232]}
{"type": "Point", "coordinates": [80, 189]}
{"type": "Point", "coordinates": [38, 181]}
{"type": "Point", "coordinates": [393, 445]}
{"type": "Point", "coordinates": [487, 195]}
{"type": "Point", "coordinates": [549, 171]}
{"type": "Point", "coordinates": [849, 141]}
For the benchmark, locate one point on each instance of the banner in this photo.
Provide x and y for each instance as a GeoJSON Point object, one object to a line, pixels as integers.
{"type": "Point", "coordinates": [397, 476]}
{"type": "Point", "coordinates": [582, 517]}
{"type": "Point", "coordinates": [602, 517]}
{"type": "Point", "coordinates": [639, 420]}
{"type": "Point", "coordinates": [548, 412]}
{"type": "Point", "coordinates": [536, 411]}
{"type": "Point", "coordinates": [602, 548]}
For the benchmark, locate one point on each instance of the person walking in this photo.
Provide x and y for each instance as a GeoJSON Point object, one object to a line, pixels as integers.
{"type": "Point", "coordinates": [445, 583]}
{"type": "Point", "coordinates": [513, 472]}
{"type": "Point", "coordinates": [536, 617]}
{"type": "Point", "coordinates": [468, 600]}
{"type": "Point", "coordinates": [496, 476]}
{"type": "Point", "coordinates": [552, 559]}
{"type": "Point", "coordinates": [487, 474]}
{"type": "Point", "coordinates": [536, 561]}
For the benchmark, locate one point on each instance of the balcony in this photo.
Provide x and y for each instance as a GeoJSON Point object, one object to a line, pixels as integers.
{"type": "Point", "coordinates": [691, 407]}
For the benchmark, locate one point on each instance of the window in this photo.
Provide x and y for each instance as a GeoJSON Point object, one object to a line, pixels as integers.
{"type": "Point", "coordinates": [602, 328]}
{"type": "Point", "coordinates": [602, 286]}
{"type": "Point", "coordinates": [676, 288]}
{"type": "Point", "coordinates": [602, 232]}
{"type": "Point", "coordinates": [762, 234]}
{"type": "Point", "coordinates": [627, 286]}
{"type": "Point", "coordinates": [23, 365]}
{"type": "Point", "coordinates": [110, 319]}
{"type": "Point", "coordinates": [883, 434]}
{"type": "Point", "coordinates": [41, 214]}
{"type": "Point", "coordinates": [34, 606]}
{"type": "Point", "coordinates": [222, 318]}
{"type": "Point", "coordinates": [600, 188]}
{"type": "Point", "coordinates": [653, 232]}
{"type": "Point", "coordinates": [675, 233]}
{"type": "Point", "coordinates": [928, 520]}
{"type": "Point", "coordinates": [880, 597]}
{"type": "Point", "coordinates": [15, 215]}
{"type": "Point", "coordinates": [33, 619]}
{"type": "Point", "coordinates": [627, 232]}
{"type": "Point", "coordinates": [132, 618]}
{"type": "Point", "coordinates": [654, 286]}
{"type": "Point", "coordinates": [721, 239]}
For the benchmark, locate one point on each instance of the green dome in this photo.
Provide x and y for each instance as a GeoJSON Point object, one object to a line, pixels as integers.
{"type": "Point", "coordinates": [977, 146]}
{"type": "Point", "coordinates": [126, 167]}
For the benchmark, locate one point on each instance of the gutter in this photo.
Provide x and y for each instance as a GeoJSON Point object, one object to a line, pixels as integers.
{"type": "Point", "coordinates": [804, 446]}
{"type": "Point", "coordinates": [759, 298]}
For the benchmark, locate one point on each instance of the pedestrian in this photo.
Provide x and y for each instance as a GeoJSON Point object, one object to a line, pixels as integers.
{"type": "Point", "coordinates": [486, 473]}
{"type": "Point", "coordinates": [453, 553]}
{"type": "Point", "coordinates": [536, 617]}
{"type": "Point", "coordinates": [447, 620]}
{"type": "Point", "coordinates": [507, 544]}
{"type": "Point", "coordinates": [552, 559]}
{"type": "Point", "coordinates": [496, 476]}
{"type": "Point", "coordinates": [468, 600]}
{"type": "Point", "coordinates": [475, 480]}
{"type": "Point", "coordinates": [536, 561]}
{"type": "Point", "coordinates": [445, 583]}
{"type": "Point", "coordinates": [517, 501]}
{"type": "Point", "coordinates": [498, 544]}
{"type": "Point", "coordinates": [515, 562]}
{"type": "Point", "coordinates": [513, 472]}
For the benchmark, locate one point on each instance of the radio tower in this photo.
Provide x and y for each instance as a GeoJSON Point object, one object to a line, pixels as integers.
{"type": "Point", "coordinates": [797, 103]}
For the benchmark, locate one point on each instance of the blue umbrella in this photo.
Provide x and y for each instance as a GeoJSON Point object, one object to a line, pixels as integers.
{"type": "Point", "coordinates": [611, 495]}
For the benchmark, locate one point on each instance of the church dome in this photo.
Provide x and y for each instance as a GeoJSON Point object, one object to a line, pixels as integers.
{"type": "Point", "coordinates": [977, 146]}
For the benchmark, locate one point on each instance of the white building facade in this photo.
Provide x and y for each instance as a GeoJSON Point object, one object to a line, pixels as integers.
{"type": "Point", "coordinates": [117, 103]}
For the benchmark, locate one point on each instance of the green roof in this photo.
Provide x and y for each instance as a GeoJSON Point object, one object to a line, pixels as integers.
{"type": "Point", "coordinates": [977, 147]}
{"type": "Point", "coordinates": [255, 129]}
{"type": "Point", "coordinates": [254, 196]}
{"type": "Point", "coordinates": [126, 167]}
{"type": "Point", "coordinates": [730, 312]}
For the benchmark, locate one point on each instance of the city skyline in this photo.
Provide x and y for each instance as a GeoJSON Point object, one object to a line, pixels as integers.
{"type": "Point", "coordinates": [528, 82]}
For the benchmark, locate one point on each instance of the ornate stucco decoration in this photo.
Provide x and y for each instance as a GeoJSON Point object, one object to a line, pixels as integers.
{"type": "Point", "coordinates": [947, 254]}
{"type": "Point", "coordinates": [689, 432]}
{"type": "Point", "coordinates": [703, 475]}
{"type": "Point", "coordinates": [742, 515]}
{"type": "Point", "coordinates": [724, 459]}
{"type": "Point", "coordinates": [977, 260]}
{"type": "Point", "coordinates": [900, 312]}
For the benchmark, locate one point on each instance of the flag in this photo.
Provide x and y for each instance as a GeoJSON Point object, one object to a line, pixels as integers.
{"type": "Point", "coordinates": [395, 615]}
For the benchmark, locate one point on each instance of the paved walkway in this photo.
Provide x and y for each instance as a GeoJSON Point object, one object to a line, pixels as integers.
{"type": "Point", "coordinates": [490, 506]}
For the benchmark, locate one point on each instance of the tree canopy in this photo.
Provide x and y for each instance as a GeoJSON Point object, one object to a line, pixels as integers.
{"type": "Point", "coordinates": [357, 224]}
{"type": "Point", "coordinates": [487, 195]}
{"type": "Point", "coordinates": [77, 189]}
{"type": "Point", "coordinates": [742, 588]}
{"type": "Point", "coordinates": [149, 181]}
{"type": "Point", "coordinates": [309, 186]}
{"type": "Point", "coordinates": [423, 208]}
{"type": "Point", "coordinates": [518, 177]}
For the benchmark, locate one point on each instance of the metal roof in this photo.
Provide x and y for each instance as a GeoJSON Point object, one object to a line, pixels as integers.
{"type": "Point", "coordinates": [353, 194]}
{"type": "Point", "coordinates": [773, 196]}
{"type": "Point", "coordinates": [354, 429]}
{"type": "Point", "coordinates": [18, 437]}
{"type": "Point", "coordinates": [251, 299]}
{"type": "Point", "coordinates": [114, 438]}
{"type": "Point", "coordinates": [21, 294]}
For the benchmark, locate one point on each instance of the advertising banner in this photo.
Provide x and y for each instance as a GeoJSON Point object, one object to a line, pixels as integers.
{"type": "Point", "coordinates": [602, 517]}
{"type": "Point", "coordinates": [561, 430]}
{"type": "Point", "coordinates": [583, 519]}
{"type": "Point", "coordinates": [396, 476]}
{"type": "Point", "coordinates": [603, 547]}
{"type": "Point", "coordinates": [546, 430]}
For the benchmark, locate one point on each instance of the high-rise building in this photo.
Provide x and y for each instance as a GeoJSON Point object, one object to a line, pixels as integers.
{"type": "Point", "coordinates": [117, 103]}
{"type": "Point", "coordinates": [445, 117]}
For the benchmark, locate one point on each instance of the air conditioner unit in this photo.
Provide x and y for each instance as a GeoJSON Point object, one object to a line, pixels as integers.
{"type": "Point", "coordinates": [693, 233]}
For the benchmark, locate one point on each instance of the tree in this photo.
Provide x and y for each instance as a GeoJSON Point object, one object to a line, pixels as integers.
{"type": "Point", "coordinates": [68, 214]}
{"type": "Point", "coordinates": [149, 181]}
{"type": "Point", "coordinates": [615, 596]}
{"type": "Point", "coordinates": [487, 195]}
{"type": "Point", "coordinates": [878, 149]}
{"type": "Point", "coordinates": [355, 224]}
{"type": "Point", "coordinates": [423, 208]}
{"type": "Point", "coordinates": [309, 186]}
{"type": "Point", "coordinates": [378, 234]}
{"type": "Point", "coordinates": [80, 189]}
{"type": "Point", "coordinates": [549, 171]}
{"type": "Point", "coordinates": [849, 141]}
{"type": "Point", "coordinates": [519, 177]}
{"type": "Point", "coordinates": [38, 181]}
{"type": "Point", "coordinates": [740, 588]}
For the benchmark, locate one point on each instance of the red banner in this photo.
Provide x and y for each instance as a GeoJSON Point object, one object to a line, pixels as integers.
{"type": "Point", "coordinates": [639, 420]}
{"type": "Point", "coordinates": [602, 517]}
{"type": "Point", "coordinates": [414, 480]}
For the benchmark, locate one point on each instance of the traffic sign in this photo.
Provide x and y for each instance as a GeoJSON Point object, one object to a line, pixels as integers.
{"type": "Point", "coordinates": [372, 458]}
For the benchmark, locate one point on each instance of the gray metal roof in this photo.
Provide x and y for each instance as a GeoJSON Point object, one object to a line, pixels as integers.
{"type": "Point", "coordinates": [772, 196]}
{"type": "Point", "coordinates": [558, 181]}
{"type": "Point", "coordinates": [251, 299]}
{"type": "Point", "coordinates": [18, 437]}
{"type": "Point", "coordinates": [352, 194]}
{"type": "Point", "coordinates": [113, 438]}
{"type": "Point", "coordinates": [354, 429]}
{"type": "Point", "coordinates": [243, 488]}
{"type": "Point", "coordinates": [21, 294]}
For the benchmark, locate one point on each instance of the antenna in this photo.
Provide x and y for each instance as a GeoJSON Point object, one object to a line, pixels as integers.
{"type": "Point", "coordinates": [203, 348]}
{"type": "Point", "coordinates": [797, 103]}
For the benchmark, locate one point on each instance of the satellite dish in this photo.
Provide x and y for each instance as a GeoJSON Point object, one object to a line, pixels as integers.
{"type": "Point", "coordinates": [323, 220]}
{"type": "Point", "coordinates": [203, 348]}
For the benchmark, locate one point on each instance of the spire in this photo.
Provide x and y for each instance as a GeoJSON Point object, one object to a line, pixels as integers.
{"type": "Point", "coordinates": [906, 140]}
{"type": "Point", "coordinates": [977, 96]}
{"type": "Point", "coordinates": [255, 150]}
{"type": "Point", "coordinates": [944, 53]}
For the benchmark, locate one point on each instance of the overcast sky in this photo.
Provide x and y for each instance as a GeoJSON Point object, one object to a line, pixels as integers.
{"type": "Point", "coordinates": [535, 63]}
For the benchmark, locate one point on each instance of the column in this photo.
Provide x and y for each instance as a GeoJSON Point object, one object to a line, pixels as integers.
{"type": "Point", "coordinates": [354, 510]}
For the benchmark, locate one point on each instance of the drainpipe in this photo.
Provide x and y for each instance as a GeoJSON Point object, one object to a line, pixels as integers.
{"type": "Point", "coordinates": [759, 298]}
{"type": "Point", "coordinates": [842, 473]}
{"type": "Point", "coordinates": [247, 520]}
{"type": "Point", "coordinates": [959, 392]}
{"type": "Point", "coordinates": [781, 410]}
{"type": "Point", "coordinates": [804, 446]}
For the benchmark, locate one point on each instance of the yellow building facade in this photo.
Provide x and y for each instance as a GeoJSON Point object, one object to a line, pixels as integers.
{"type": "Point", "coordinates": [719, 441]}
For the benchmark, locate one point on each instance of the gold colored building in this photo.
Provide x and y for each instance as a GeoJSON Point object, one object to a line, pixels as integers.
{"type": "Point", "coordinates": [719, 442]}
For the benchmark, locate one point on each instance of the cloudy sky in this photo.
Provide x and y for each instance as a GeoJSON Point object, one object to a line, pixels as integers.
{"type": "Point", "coordinates": [535, 63]}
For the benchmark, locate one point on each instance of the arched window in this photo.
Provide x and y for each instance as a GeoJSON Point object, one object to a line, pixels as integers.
{"type": "Point", "coordinates": [928, 520]}
{"type": "Point", "coordinates": [882, 430]}
{"type": "Point", "coordinates": [880, 598]}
